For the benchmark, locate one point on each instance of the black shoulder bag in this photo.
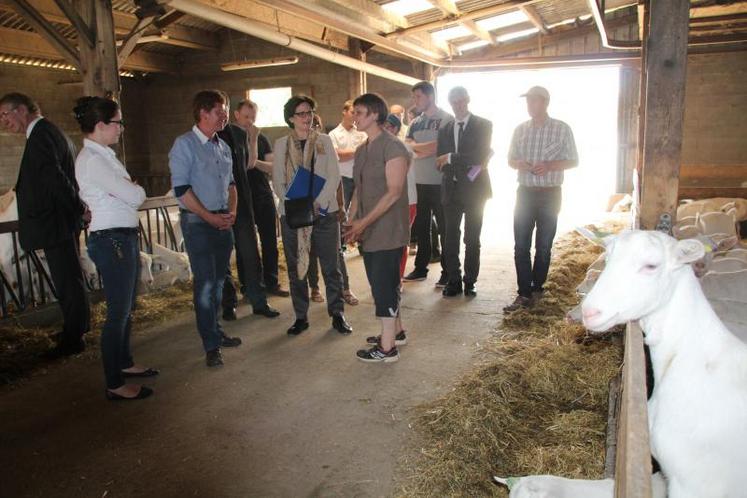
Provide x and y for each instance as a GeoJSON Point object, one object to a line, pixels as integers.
{"type": "Point", "coordinates": [299, 212]}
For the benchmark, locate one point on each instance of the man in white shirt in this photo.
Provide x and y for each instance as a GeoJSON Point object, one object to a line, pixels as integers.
{"type": "Point", "coordinates": [346, 138]}
{"type": "Point", "coordinates": [399, 111]}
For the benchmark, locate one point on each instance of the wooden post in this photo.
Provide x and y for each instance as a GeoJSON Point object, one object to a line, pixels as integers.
{"type": "Point", "coordinates": [665, 68]}
{"type": "Point", "coordinates": [100, 68]}
{"type": "Point", "coordinates": [358, 80]}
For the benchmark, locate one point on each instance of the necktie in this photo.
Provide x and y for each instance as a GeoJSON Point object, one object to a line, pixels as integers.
{"type": "Point", "coordinates": [460, 132]}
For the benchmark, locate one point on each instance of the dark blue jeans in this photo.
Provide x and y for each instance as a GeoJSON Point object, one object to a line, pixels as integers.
{"type": "Point", "coordinates": [209, 251]}
{"type": "Point", "coordinates": [117, 258]}
{"type": "Point", "coordinates": [535, 207]}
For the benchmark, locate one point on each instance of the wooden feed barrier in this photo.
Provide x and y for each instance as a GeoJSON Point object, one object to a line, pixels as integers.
{"type": "Point", "coordinates": [633, 453]}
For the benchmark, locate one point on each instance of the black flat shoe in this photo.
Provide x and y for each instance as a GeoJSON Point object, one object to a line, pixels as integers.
{"type": "Point", "coordinates": [144, 393]}
{"type": "Point", "coordinates": [470, 290]}
{"type": "Point", "coordinates": [150, 372]}
{"type": "Point", "coordinates": [298, 327]}
{"type": "Point", "coordinates": [340, 325]}
{"type": "Point", "coordinates": [268, 312]}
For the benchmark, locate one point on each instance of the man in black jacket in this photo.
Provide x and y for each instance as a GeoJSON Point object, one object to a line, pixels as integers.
{"type": "Point", "coordinates": [50, 212]}
{"type": "Point", "coordinates": [463, 153]}
{"type": "Point", "coordinates": [248, 261]}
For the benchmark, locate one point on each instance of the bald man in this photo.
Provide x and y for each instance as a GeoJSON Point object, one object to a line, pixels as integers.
{"type": "Point", "coordinates": [399, 111]}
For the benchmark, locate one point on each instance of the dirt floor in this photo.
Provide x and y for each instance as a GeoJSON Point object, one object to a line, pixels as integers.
{"type": "Point", "coordinates": [290, 417]}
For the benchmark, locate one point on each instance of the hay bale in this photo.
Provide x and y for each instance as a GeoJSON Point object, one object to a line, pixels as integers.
{"type": "Point", "coordinates": [537, 404]}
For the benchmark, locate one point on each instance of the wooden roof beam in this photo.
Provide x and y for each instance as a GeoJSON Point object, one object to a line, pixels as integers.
{"type": "Point", "coordinates": [41, 26]}
{"type": "Point", "coordinates": [30, 44]}
{"type": "Point", "coordinates": [478, 31]}
{"type": "Point", "coordinates": [535, 18]}
{"type": "Point", "coordinates": [504, 7]}
{"type": "Point", "coordinates": [83, 30]}
{"type": "Point", "coordinates": [450, 11]}
{"type": "Point", "coordinates": [132, 39]}
{"type": "Point", "coordinates": [124, 22]}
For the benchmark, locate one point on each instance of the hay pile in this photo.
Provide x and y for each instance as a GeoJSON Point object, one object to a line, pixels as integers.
{"type": "Point", "coordinates": [22, 348]}
{"type": "Point", "coordinates": [537, 404]}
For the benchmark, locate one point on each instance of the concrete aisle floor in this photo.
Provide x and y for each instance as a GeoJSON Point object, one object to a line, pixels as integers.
{"type": "Point", "coordinates": [286, 417]}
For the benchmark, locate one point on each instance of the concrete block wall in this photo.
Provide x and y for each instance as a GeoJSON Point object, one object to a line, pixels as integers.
{"type": "Point", "coordinates": [716, 110]}
{"type": "Point", "coordinates": [56, 102]}
{"type": "Point", "coordinates": [168, 98]}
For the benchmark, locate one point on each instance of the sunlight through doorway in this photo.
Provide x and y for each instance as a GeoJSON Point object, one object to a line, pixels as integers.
{"type": "Point", "coordinates": [585, 98]}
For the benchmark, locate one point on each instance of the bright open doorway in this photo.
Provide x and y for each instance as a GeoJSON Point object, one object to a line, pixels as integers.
{"type": "Point", "coordinates": [585, 98]}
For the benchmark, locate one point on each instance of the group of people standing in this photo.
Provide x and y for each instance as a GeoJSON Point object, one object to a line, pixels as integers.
{"type": "Point", "coordinates": [374, 185]}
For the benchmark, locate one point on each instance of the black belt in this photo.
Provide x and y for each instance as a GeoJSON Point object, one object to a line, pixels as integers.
{"type": "Point", "coordinates": [538, 189]}
{"type": "Point", "coordinates": [117, 230]}
{"type": "Point", "coordinates": [217, 211]}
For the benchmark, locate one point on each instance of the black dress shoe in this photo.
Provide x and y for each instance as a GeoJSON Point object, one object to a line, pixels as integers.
{"type": "Point", "coordinates": [469, 290]}
{"type": "Point", "coordinates": [267, 311]}
{"type": "Point", "coordinates": [214, 358]}
{"type": "Point", "coordinates": [278, 291]}
{"type": "Point", "coordinates": [340, 325]}
{"type": "Point", "coordinates": [229, 342]}
{"type": "Point", "coordinates": [65, 349]}
{"type": "Point", "coordinates": [229, 314]}
{"type": "Point", "coordinates": [144, 393]}
{"type": "Point", "coordinates": [452, 290]}
{"type": "Point", "coordinates": [298, 326]}
{"type": "Point", "coordinates": [150, 372]}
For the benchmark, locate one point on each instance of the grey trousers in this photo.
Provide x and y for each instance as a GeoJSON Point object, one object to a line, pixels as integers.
{"type": "Point", "coordinates": [325, 241]}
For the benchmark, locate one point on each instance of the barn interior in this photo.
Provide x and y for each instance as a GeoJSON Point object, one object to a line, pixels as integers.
{"type": "Point", "coordinates": [654, 90]}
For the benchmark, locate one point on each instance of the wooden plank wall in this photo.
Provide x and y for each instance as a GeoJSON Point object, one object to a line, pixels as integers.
{"type": "Point", "coordinates": [701, 181]}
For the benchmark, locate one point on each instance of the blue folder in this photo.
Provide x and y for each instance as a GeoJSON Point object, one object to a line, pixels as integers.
{"type": "Point", "coordinates": [299, 186]}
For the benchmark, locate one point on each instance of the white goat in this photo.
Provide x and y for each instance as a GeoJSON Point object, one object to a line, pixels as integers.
{"type": "Point", "coordinates": [697, 409]}
{"type": "Point", "coordinates": [545, 486]}
{"type": "Point", "coordinates": [175, 262]}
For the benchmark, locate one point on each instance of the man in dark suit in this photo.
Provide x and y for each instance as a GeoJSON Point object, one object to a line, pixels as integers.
{"type": "Point", "coordinates": [248, 261]}
{"type": "Point", "coordinates": [50, 212]}
{"type": "Point", "coordinates": [463, 153]}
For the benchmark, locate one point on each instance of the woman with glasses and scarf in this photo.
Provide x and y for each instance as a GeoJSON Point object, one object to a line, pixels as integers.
{"type": "Point", "coordinates": [113, 199]}
{"type": "Point", "coordinates": [303, 147]}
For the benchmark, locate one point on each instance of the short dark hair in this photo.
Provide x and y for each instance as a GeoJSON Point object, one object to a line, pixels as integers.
{"type": "Point", "coordinates": [289, 109]}
{"type": "Point", "coordinates": [374, 103]}
{"type": "Point", "coordinates": [426, 87]}
{"type": "Point", "coordinates": [246, 103]}
{"type": "Point", "coordinates": [15, 99]}
{"type": "Point", "coordinates": [92, 110]}
{"type": "Point", "coordinates": [205, 100]}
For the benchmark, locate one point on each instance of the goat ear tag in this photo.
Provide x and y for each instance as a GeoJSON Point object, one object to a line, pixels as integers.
{"type": "Point", "coordinates": [689, 250]}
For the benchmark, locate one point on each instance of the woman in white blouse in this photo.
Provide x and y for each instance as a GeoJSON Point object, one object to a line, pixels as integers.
{"type": "Point", "coordinates": [113, 199]}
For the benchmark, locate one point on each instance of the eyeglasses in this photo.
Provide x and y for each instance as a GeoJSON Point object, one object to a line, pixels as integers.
{"type": "Point", "coordinates": [120, 122]}
{"type": "Point", "coordinates": [304, 114]}
{"type": "Point", "coordinates": [7, 113]}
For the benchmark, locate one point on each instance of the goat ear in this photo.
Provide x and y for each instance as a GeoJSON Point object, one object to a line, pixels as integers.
{"type": "Point", "coordinates": [689, 250]}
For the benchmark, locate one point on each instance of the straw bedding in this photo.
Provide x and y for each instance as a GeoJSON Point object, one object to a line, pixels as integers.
{"type": "Point", "coordinates": [536, 403]}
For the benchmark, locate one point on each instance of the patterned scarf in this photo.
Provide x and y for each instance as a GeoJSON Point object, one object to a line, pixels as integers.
{"type": "Point", "coordinates": [295, 158]}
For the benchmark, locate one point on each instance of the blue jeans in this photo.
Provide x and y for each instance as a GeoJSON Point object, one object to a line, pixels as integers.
{"type": "Point", "coordinates": [534, 208]}
{"type": "Point", "coordinates": [209, 251]}
{"type": "Point", "coordinates": [117, 258]}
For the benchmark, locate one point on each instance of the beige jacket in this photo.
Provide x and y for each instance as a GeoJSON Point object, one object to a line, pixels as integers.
{"type": "Point", "coordinates": [325, 165]}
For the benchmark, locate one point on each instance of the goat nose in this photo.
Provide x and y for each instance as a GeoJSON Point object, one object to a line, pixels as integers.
{"type": "Point", "coordinates": [589, 313]}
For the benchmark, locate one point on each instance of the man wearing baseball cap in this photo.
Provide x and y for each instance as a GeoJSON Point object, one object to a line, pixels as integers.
{"type": "Point", "coordinates": [541, 150]}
